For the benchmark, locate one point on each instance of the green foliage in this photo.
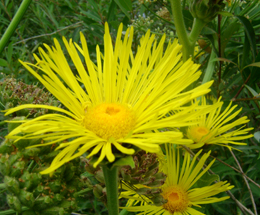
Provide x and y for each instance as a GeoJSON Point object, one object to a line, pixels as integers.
{"type": "Point", "coordinates": [232, 37]}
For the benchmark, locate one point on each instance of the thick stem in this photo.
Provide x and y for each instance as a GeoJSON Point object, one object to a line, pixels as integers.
{"type": "Point", "coordinates": [14, 23]}
{"type": "Point", "coordinates": [181, 29]}
{"type": "Point", "coordinates": [197, 27]}
{"type": "Point", "coordinates": [111, 181]}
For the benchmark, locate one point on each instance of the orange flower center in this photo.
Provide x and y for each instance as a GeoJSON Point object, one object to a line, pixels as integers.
{"type": "Point", "coordinates": [110, 120]}
{"type": "Point", "coordinates": [178, 200]}
{"type": "Point", "coordinates": [199, 133]}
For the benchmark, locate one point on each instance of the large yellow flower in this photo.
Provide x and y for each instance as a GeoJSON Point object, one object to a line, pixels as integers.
{"type": "Point", "coordinates": [219, 127]}
{"type": "Point", "coordinates": [179, 188]}
{"type": "Point", "coordinates": [115, 104]}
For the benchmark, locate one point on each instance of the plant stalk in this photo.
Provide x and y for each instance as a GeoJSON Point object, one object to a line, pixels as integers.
{"type": "Point", "coordinates": [111, 181]}
{"type": "Point", "coordinates": [14, 23]}
{"type": "Point", "coordinates": [197, 27]}
{"type": "Point", "coordinates": [181, 29]}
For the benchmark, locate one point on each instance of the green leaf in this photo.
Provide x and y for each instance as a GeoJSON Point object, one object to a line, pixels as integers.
{"type": "Point", "coordinates": [125, 6]}
{"type": "Point", "coordinates": [111, 10]}
{"type": "Point", "coordinates": [93, 15]}
{"type": "Point", "coordinates": [257, 136]}
{"type": "Point", "coordinates": [225, 13]}
{"type": "Point", "coordinates": [246, 52]}
{"type": "Point", "coordinates": [223, 59]}
{"type": "Point", "coordinates": [250, 32]}
{"type": "Point", "coordinates": [257, 64]}
{"type": "Point", "coordinates": [254, 93]}
{"type": "Point", "coordinates": [207, 179]}
{"type": "Point", "coordinates": [227, 33]}
{"type": "Point", "coordinates": [3, 62]}
{"type": "Point", "coordinates": [124, 162]}
{"type": "Point", "coordinates": [10, 52]}
{"type": "Point", "coordinates": [93, 4]}
{"type": "Point", "coordinates": [207, 31]}
{"type": "Point", "coordinates": [220, 209]}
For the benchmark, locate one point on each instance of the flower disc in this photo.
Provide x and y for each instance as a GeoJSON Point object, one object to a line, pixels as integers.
{"type": "Point", "coordinates": [110, 120]}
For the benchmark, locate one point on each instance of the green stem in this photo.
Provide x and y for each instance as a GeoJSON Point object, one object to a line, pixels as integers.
{"type": "Point", "coordinates": [195, 31]}
{"type": "Point", "coordinates": [82, 192]}
{"type": "Point", "coordinates": [181, 29]}
{"type": "Point", "coordinates": [14, 23]}
{"type": "Point", "coordinates": [111, 181]}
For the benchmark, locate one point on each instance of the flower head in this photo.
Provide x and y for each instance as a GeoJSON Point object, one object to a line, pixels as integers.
{"type": "Point", "coordinates": [206, 10]}
{"type": "Point", "coordinates": [115, 105]}
{"type": "Point", "coordinates": [218, 127]}
{"type": "Point", "coordinates": [179, 189]}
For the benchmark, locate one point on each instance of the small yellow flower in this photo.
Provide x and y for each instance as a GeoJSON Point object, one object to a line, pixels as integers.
{"type": "Point", "coordinates": [179, 190]}
{"type": "Point", "coordinates": [229, 2]}
{"type": "Point", "coordinates": [115, 105]}
{"type": "Point", "coordinates": [218, 127]}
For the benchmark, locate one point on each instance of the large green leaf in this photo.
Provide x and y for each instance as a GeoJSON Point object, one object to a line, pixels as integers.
{"type": "Point", "coordinates": [250, 32]}
{"type": "Point", "coordinates": [125, 161]}
{"type": "Point", "coordinates": [3, 62]}
{"type": "Point", "coordinates": [125, 6]}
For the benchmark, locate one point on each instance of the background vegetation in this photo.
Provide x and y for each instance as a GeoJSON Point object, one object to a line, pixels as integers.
{"type": "Point", "coordinates": [228, 46]}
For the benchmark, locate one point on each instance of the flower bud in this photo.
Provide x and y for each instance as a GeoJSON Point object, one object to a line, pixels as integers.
{"type": "Point", "coordinates": [158, 200]}
{"type": "Point", "coordinates": [55, 186]}
{"type": "Point", "coordinates": [14, 157]}
{"type": "Point", "coordinates": [39, 190]}
{"type": "Point", "coordinates": [90, 168]}
{"type": "Point", "coordinates": [5, 166]}
{"type": "Point", "coordinates": [17, 169]}
{"type": "Point", "coordinates": [12, 185]}
{"type": "Point", "coordinates": [87, 182]}
{"type": "Point", "coordinates": [70, 205]}
{"type": "Point", "coordinates": [26, 198]}
{"type": "Point", "coordinates": [42, 203]}
{"type": "Point", "coordinates": [14, 203]}
{"type": "Point", "coordinates": [6, 147]}
{"type": "Point", "coordinates": [31, 152]}
{"type": "Point", "coordinates": [59, 173]}
{"type": "Point", "coordinates": [206, 10]}
{"type": "Point", "coordinates": [100, 176]}
{"type": "Point", "coordinates": [30, 180]}
{"type": "Point", "coordinates": [57, 198]}
{"type": "Point", "coordinates": [97, 190]}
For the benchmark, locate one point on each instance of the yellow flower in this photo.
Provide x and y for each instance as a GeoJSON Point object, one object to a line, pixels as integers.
{"type": "Point", "coordinates": [229, 2]}
{"type": "Point", "coordinates": [115, 105]}
{"type": "Point", "coordinates": [218, 127]}
{"type": "Point", "coordinates": [179, 189]}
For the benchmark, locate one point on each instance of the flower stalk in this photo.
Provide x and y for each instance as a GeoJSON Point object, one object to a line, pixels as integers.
{"type": "Point", "coordinates": [111, 181]}
{"type": "Point", "coordinates": [14, 23]}
{"type": "Point", "coordinates": [181, 29]}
